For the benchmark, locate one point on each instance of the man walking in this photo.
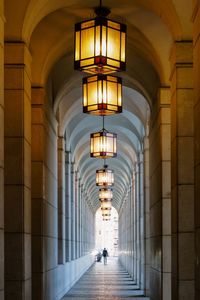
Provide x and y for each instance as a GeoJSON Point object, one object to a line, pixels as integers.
{"type": "Point", "coordinates": [105, 255]}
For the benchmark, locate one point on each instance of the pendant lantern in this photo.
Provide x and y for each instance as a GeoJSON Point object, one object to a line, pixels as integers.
{"type": "Point", "coordinates": [105, 177]}
{"type": "Point", "coordinates": [102, 95]}
{"type": "Point", "coordinates": [105, 194]}
{"type": "Point", "coordinates": [100, 44]}
{"type": "Point", "coordinates": [103, 144]}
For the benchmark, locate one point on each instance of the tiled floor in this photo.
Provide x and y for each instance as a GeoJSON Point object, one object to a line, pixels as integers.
{"type": "Point", "coordinates": [105, 282]}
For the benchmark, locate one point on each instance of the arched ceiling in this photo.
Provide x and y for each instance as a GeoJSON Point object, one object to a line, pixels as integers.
{"type": "Point", "coordinates": [47, 28]}
{"type": "Point", "coordinates": [129, 126]}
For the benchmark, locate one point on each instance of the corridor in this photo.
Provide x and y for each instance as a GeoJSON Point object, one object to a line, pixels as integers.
{"type": "Point", "coordinates": [105, 282]}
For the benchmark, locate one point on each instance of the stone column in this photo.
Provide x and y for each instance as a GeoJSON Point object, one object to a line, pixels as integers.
{"type": "Point", "coordinates": [61, 200]}
{"type": "Point", "coordinates": [182, 139]}
{"type": "Point", "coordinates": [79, 218]}
{"type": "Point", "coordinates": [165, 133]}
{"type": "Point", "coordinates": [196, 45]}
{"type": "Point", "coordinates": [72, 211]}
{"type": "Point", "coordinates": [134, 230]}
{"type": "Point", "coordinates": [44, 196]}
{"type": "Point", "coordinates": [1, 152]}
{"type": "Point", "coordinates": [137, 223]}
{"type": "Point", "coordinates": [146, 216]}
{"type": "Point", "coordinates": [141, 219]}
{"type": "Point", "coordinates": [76, 214]}
{"type": "Point", "coordinates": [68, 205]}
{"type": "Point", "coordinates": [17, 171]}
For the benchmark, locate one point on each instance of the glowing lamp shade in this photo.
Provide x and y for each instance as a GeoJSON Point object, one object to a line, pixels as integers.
{"type": "Point", "coordinates": [103, 144]}
{"type": "Point", "coordinates": [102, 95]}
{"type": "Point", "coordinates": [106, 218]}
{"type": "Point", "coordinates": [106, 214]}
{"type": "Point", "coordinates": [105, 194]}
{"type": "Point", "coordinates": [100, 46]}
{"type": "Point", "coordinates": [104, 177]}
{"type": "Point", "coordinates": [106, 204]}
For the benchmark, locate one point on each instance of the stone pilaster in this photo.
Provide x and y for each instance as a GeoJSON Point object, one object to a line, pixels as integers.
{"type": "Point", "coordinates": [196, 51]}
{"type": "Point", "coordinates": [165, 133]}
{"type": "Point", "coordinates": [146, 215]}
{"type": "Point", "coordinates": [68, 205]}
{"type": "Point", "coordinates": [159, 194]}
{"type": "Point", "coordinates": [44, 196]}
{"type": "Point", "coordinates": [1, 151]}
{"type": "Point", "coordinates": [182, 145]}
{"type": "Point", "coordinates": [61, 200]}
{"type": "Point", "coordinates": [73, 211]}
{"type": "Point", "coordinates": [17, 171]}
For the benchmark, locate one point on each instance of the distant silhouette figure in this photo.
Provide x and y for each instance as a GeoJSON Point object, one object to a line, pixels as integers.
{"type": "Point", "coordinates": [105, 255]}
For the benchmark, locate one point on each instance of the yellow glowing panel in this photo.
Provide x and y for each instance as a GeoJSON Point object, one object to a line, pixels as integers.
{"type": "Point", "coordinates": [113, 63]}
{"type": "Point", "coordinates": [111, 78]}
{"type": "Point", "coordinates": [77, 55]}
{"type": "Point", "coordinates": [112, 93]}
{"type": "Point", "coordinates": [87, 43]}
{"type": "Point", "coordinates": [119, 94]}
{"type": "Point", "coordinates": [114, 25]}
{"type": "Point", "coordinates": [86, 62]}
{"type": "Point", "coordinates": [123, 42]}
{"type": "Point", "coordinates": [113, 47]}
{"type": "Point", "coordinates": [92, 107]}
{"type": "Point", "coordinates": [100, 92]}
{"type": "Point", "coordinates": [92, 93]}
{"type": "Point", "coordinates": [87, 24]}
{"type": "Point", "coordinates": [98, 43]}
{"type": "Point", "coordinates": [96, 145]}
{"type": "Point", "coordinates": [104, 42]}
{"type": "Point", "coordinates": [84, 95]}
{"type": "Point", "coordinates": [104, 92]}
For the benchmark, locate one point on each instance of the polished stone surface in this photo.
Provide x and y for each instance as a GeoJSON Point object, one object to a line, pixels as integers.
{"type": "Point", "coordinates": [105, 282]}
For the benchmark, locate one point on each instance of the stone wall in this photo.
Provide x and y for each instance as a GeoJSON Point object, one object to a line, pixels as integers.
{"type": "Point", "coordinates": [196, 51]}
{"type": "Point", "coordinates": [1, 152]}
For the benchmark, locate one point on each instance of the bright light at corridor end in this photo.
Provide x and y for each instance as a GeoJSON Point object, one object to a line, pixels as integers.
{"type": "Point", "coordinates": [103, 144]}
{"type": "Point", "coordinates": [100, 45]}
{"type": "Point", "coordinates": [102, 95]}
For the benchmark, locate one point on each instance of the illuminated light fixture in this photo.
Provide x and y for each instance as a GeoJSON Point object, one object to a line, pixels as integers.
{"type": "Point", "coordinates": [106, 204]}
{"type": "Point", "coordinates": [103, 144]}
{"type": "Point", "coordinates": [100, 44]}
{"type": "Point", "coordinates": [104, 177]}
{"type": "Point", "coordinates": [102, 95]}
{"type": "Point", "coordinates": [105, 193]}
{"type": "Point", "coordinates": [106, 214]}
{"type": "Point", "coordinates": [106, 218]}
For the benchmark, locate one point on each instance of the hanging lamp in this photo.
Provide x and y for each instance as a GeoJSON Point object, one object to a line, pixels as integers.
{"type": "Point", "coordinates": [104, 177]}
{"type": "Point", "coordinates": [100, 44]}
{"type": "Point", "coordinates": [103, 144]}
{"type": "Point", "coordinates": [102, 95]}
{"type": "Point", "coordinates": [105, 194]}
{"type": "Point", "coordinates": [106, 204]}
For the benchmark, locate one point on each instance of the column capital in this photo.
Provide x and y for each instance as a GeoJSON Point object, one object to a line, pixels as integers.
{"type": "Point", "coordinates": [181, 52]}
{"type": "Point", "coordinates": [38, 95]}
{"type": "Point", "coordinates": [17, 53]}
{"type": "Point", "coordinates": [61, 143]}
{"type": "Point", "coordinates": [164, 96]}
